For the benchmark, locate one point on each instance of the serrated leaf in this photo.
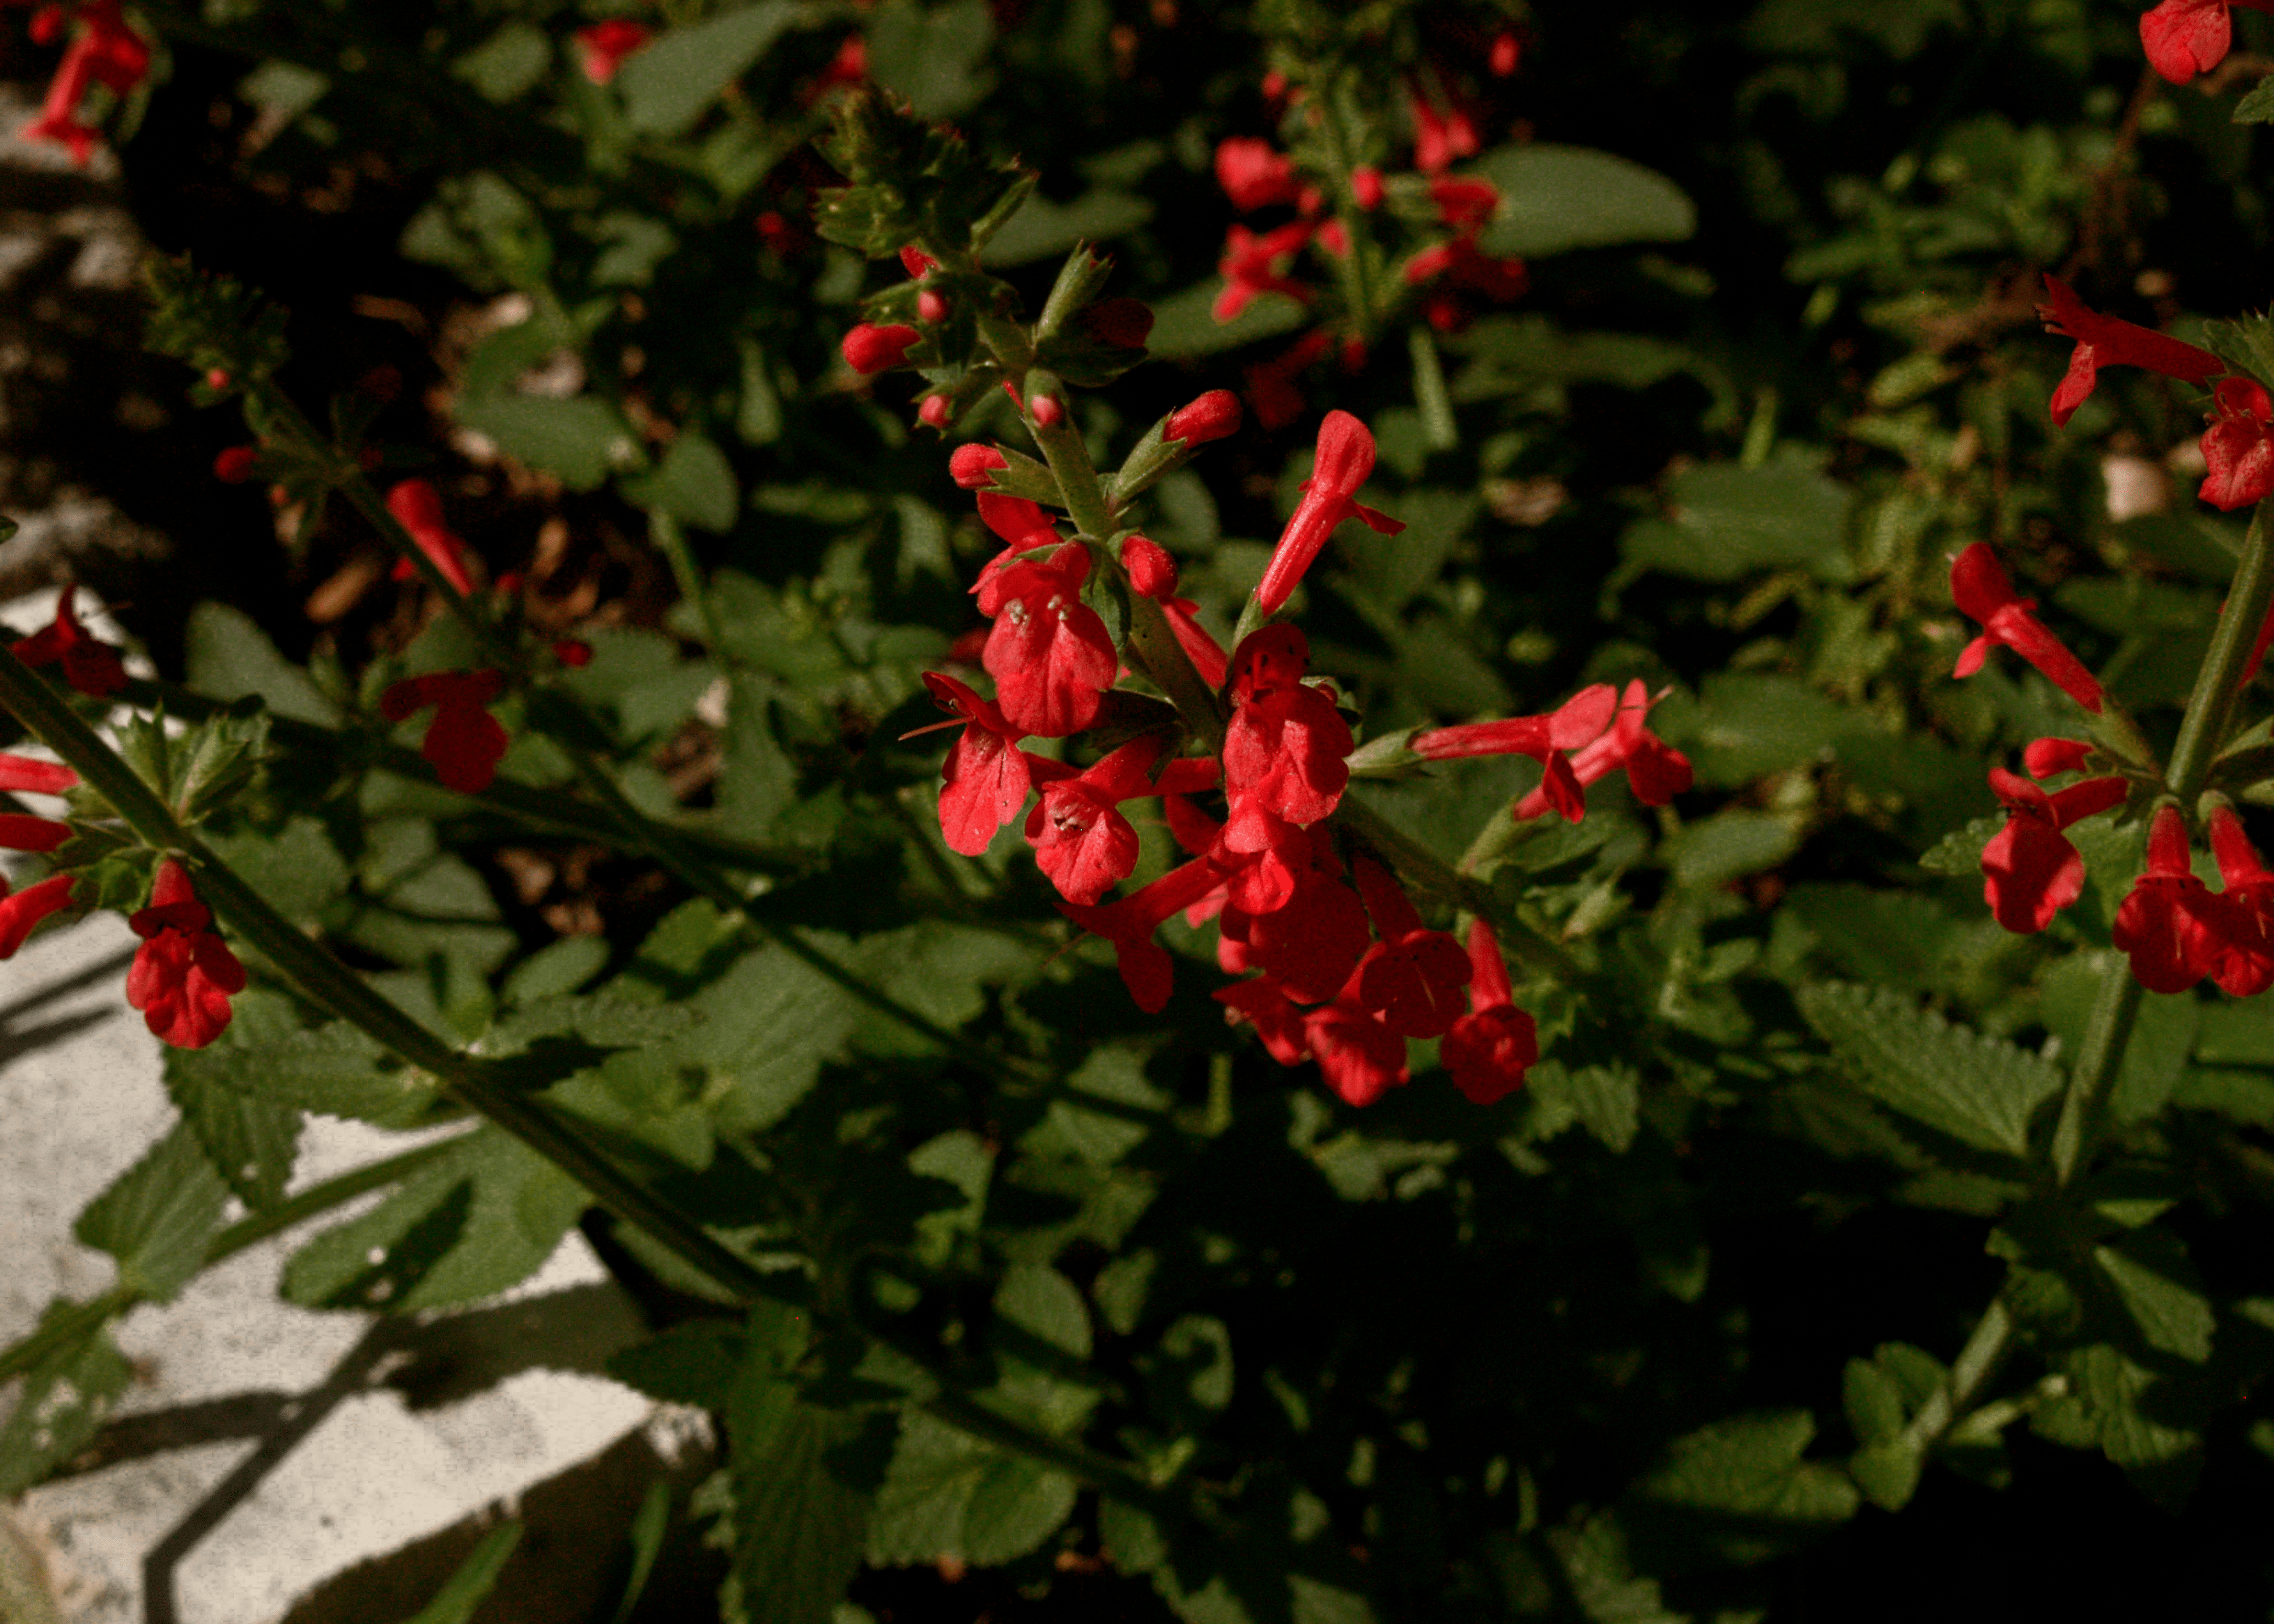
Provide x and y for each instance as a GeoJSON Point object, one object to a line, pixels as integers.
{"type": "Point", "coordinates": [1979, 1090]}
{"type": "Point", "coordinates": [798, 1529]}
{"type": "Point", "coordinates": [467, 1226]}
{"type": "Point", "coordinates": [694, 484]}
{"type": "Point", "coordinates": [251, 1138]}
{"type": "Point", "coordinates": [62, 1400]}
{"type": "Point", "coordinates": [229, 656]}
{"type": "Point", "coordinates": [1554, 198]}
{"type": "Point", "coordinates": [336, 1068]}
{"type": "Point", "coordinates": [1045, 1304]}
{"type": "Point", "coordinates": [1886, 1473]}
{"type": "Point", "coordinates": [2256, 107]}
{"type": "Point", "coordinates": [947, 1493]}
{"type": "Point", "coordinates": [297, 870]}
{"type": "Point", "coordinates": [157, 1216]}
{"type": "Point", "coordinates": [2159, 1289]}
{"type": "Point", "coordinates": [2130, 1406]}
{"type": "Point", "coordinates": [1184, 324]}
{"type": "Point", "coordinates": [1959, 852]}
{"type": "Point", "coordinates": [581, 439]}
{"type": "Point", "coordinates": [694, 1363]}
{"type": "Point", "coordinates": [1740, 1490]}
{"type": "Point", "coordinates": [1725, 521]}
{"type": "Point", "coordinates": [666, 86]}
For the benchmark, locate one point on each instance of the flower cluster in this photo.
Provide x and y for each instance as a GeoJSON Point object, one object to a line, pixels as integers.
{"type": "Point", "coordinates": [1451, 275]}
{"type": "Point", "coordinates": [88, 664]}
{"type": "Point", "coordinates": [1336, 962]}
{"type": "Point", "coordinates": [104, 51]}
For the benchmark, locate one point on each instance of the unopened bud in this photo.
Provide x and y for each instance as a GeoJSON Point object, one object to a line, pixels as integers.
{"type": "Point", "coordinates": [972, 467]}
{"type": "Point", "coordinates": [934, 413]}
{"type": "Point", "coordinates": [931, 307]}
{"type": "Point", "coordinates": [234, 466]}
{"type": "Point", "coordinates": [1502, 57]}
{"type": "Point", "coordinates": [917, 263]}
{"type": "Point", "coordinates": [1365, 187]}
{"type": "Point", "coordinates": [1212, 416]}
{"type": "Point", "coordinates": [869, 350]}
{"type": "Point", "coordinates": [1151, 570]}
{"type": "Point", "coordinates": [217, 379]}
{"type": "Point", "coordinates": [1046, 411]}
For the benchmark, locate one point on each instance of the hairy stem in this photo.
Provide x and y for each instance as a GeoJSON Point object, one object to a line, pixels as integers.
{"type": "Point", "coordinates": [1976, 1363]}
{"type": "Point", "coordinates": [2211, 706]}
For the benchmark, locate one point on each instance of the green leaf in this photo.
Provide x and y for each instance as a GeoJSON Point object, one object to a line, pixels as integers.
{"type": "Point", "coordinates": [467, 1226]}
{"type": "Point", "coordinates": [1979, 1090]}
{"type": "Point", "coordinates": [666, 86]}
{"type": "Point", "coordinates": [947, 1493]}
{"type": "Point", "coordinates": [1607, 1100]}
{"type": "Point", "coordinates": [2256, 107]}
{"type": "Point", "coordinates": [1725, 521]}
{"type": "Point", "coordinates": [935, 55]}
{"type": "Point", "coordinates": [798, 1527]}
{"type": "Point", "coordinates": [251, 1138]}
{"type": "Point", "coordinates": [2137, 1418]}
{"type": "Point", "coordinates": [507, 64]}
{"type": "Point", "coordinates": [268, 1055]}
{"type": "Point", "coordinates": [693, 1363]}
{"type": "Point", "coordinates": [1738, 1491]}
{"type": "Point", "coordinates": [1959, 852]}
{"type": "Point", "coordinates": [2161, 1292]}
{"type": "Point", "coordinates": [470, 1586]}
{"type": "Point", "coordinates": [229, 656]}
{"type": "Point", "coordinates": [1744, 724]}
{"type": "Point", "coordinates": [1184, 325]}
{"type": "Point", "coordinates": [1554, 198]}
{"type": "Point", "coordinates": [157, 1216]}
{"type": "Point", "coordinates": [297, 870]}
{"type": "Point", "coordinates": [1728, 845]}
{"type": "Point", "coordinates": [582, 440]}
{"type": "Point", "coordinates": [62, 1400]}
{"type": "Point", "coordinates": [757, 780]}
{"type": "Point", "coordinates": [1044, 1304]}
{"type": "Point", "coordinates": [695, 483]}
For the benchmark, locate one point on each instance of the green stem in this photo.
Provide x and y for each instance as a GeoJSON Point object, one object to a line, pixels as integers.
{"type": "Point", "coordinates": [1977, 1362]}
{"type": "Point", "coordinates": [82, 1318]}
{"type": "Point", "coordinates": [2083, 1103]}
{"type": "Point", "coordinates": [1354, 266]}
{"type": "Point", "coordinates": [2219, 683]}
{"type": "Point", "coordinates": [1423, 870]}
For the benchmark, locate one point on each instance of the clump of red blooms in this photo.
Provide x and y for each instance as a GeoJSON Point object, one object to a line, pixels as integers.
{"type": "Point", "coordinates": [88, 664]}
{"type": "Point", "coordinates": [1337, 963]}
{"type": "Point", "coordinates": [104, 51]}
{"type": "Point", "coordinates": [464, 742]}
{"type": "Point", "coordinates": [603, 46]}
{"type": "Point", "coordinates": [183, 975]}
{"type": "Point", "coordinates": [1456, 275]}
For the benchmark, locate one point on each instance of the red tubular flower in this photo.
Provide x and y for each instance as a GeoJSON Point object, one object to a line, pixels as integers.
{"type": "Point", "coordinates": [1049, 654]}
{"type": "Point", "coordinates": [465, 741]}
{"type": "Point", "coordinates": [20, 832]}
{"type": "Point", "coordinates": [1464, 204]}
{"type": "Point", "coordinates": [418, 509]}
{"type": "Point", "coordinates": [1120, 323]}
{"type": "Point", "coordinates": [869, 349]}
{"type": "Point", "coordinates": [1490, 1048]}
{"type": "Point", "coordinates": [985, 778]}
{"type": "Point", "coordinates": [1213, 416]}
{"type": "Point", "coordinates": [1205, 652]}
{"type": "Point", "coordinates": [25, 908]}
{"type": "Point", "coordinates": [233, 465]}
{"type": "Point", "coordinates": [21, 772]}
{"type": "Point", "coordinates": [1310, 943]}
{"type": "Point", "coordinates": [604, 46]}
{"type": "Point", "coordinates": [1982, 589]}
{"type": "Point", "coordinates": [1263, 1005]}
{"type": "Point", "coordinates": [2238, 450]}
{"type": "Point", "coordinates": [1285, 747]}
{"type": "Point", "coordinates": [2104, 341]}
{"type": "Point", "coordinates": [917, 263]}
{"type": "Point", "coordinates": [848, 66]}
{"type": "Point", "coordinates": [1247, 265]}
{"type": "Point", "coordinates": [1129, 923]}
{"type": "Point", "coordinates": [2170, 925]}
{"type": "Point", "coordinates": [1656, 771]}
{"type": "Point", "coordinates": [1500, 60]}
{"type": "Point", "coordinates": [1253, 174]}
{"type": "Point", "coordinates": [2187, 37]}
{"type": "Point", "coordinates": [1439, 137]}
{"type": "Point", "coordinates": [2030, 870]}
{"type": "Point", "coordinates": [91, 666]}
{"type": "Point", "coordinates": [1345, 457]}
{"type": "Point", "coordinates": [1360, 1058]}
{"type": "Point", "coordinates": [183, 975]}
{"type": "Point", "coordinates": [2244, 964]}
{"type": "Point", "coordinates": [1412, 978]}
{"type": "Point", "coordinates": [2047, 758]}
{"type": "Point", "coordinates": [1080, 838]}
{"type": "Point", "coordinates": [1271, 388]}
{"type": "Point", "coordinates": [1579, 722]}
{"type": "Point", "coordinates": [935, 413]}
{"type": "Point", "coordinates": [104, 51]}
{"type": "Point", "coordinates": [1365, 187]}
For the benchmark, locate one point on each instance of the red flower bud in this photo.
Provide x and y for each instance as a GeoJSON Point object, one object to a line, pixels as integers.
{"type": "Point", "coordinates": [917, 263]}
{"type": "Point", "coordinates": [1365, 187]}
{"type": "Point", "coordinates": [1502, 59]}
{"type": "Point", "coordinates": [934, 413]}
{"type": "Point", "coordinates": [234, 465]}
{"type": "Point", "coordinates": [931, 306]}
{"type": "Point", "coordinates": [1212, 416]}
{"type": "Point", "coordinates": [605, 45]}
{"type": "Point", "coordinates": [869, 350]}
{"type": "Point", "coordinates": [973, 466]}
{"type": "Point", "coordinates": [1152, 572]}
{"type": "Point", "coordinates": [1046, 411]}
